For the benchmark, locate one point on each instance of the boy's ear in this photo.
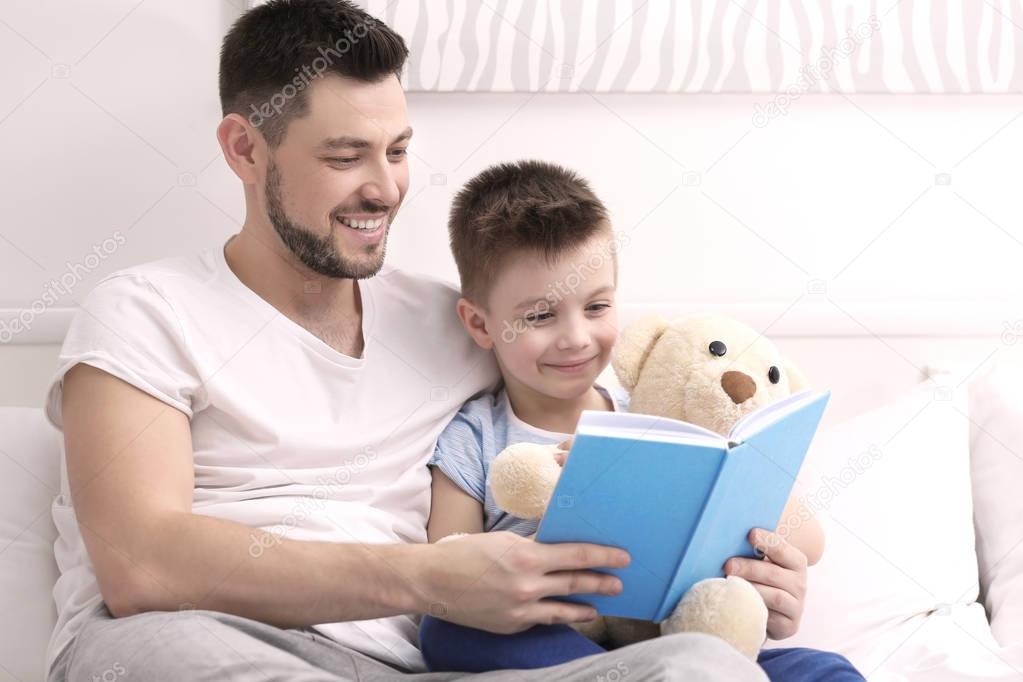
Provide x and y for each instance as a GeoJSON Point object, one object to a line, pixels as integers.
{"type": "Point", "coordinates": [634, 346]}
{"type": "Point", "coordinates": [472, 319]}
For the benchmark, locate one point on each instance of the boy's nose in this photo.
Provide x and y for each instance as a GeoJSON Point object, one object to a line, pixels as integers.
{"type": "Point", "coordinates": [575, 337]}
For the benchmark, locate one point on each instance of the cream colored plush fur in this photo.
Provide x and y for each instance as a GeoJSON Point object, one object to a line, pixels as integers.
{"type": "Point", "coordinates": [670, 370]}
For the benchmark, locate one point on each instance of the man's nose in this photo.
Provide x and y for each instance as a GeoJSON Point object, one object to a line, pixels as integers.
{"type": "Point", "coordinates": [382, 185]}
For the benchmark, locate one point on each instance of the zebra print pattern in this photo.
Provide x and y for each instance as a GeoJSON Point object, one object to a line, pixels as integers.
{"type": "Point", "coordinates": [694, 46]}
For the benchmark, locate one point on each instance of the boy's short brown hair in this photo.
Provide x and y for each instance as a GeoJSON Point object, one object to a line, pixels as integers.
{"type": "Point", "coordinates": [531, 206]}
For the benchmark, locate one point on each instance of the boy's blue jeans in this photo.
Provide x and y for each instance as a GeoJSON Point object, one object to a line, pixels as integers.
{"type": "Point", "coordinates": [450, 647]}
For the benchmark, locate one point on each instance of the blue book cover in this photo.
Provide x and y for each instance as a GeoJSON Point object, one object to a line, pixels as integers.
{"type": "Point", "coordinates": [679, 498]}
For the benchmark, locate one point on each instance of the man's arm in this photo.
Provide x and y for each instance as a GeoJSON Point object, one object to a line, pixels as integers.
{"type": "Point", "coordinates": [130, 470]}
{"type": "Point", "coordinates": [452, 510]}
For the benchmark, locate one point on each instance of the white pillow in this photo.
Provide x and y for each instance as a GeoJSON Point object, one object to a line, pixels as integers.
{"type": "Point", "coordinates": [891, 488]}
{"type": "Point", "coordinates": [996, 402]}
{"type": "Point", "coordinates": [29, 481]}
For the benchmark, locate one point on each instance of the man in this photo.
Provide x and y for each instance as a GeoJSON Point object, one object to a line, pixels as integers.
{"type": "Point", "coordinates": [247, 430]}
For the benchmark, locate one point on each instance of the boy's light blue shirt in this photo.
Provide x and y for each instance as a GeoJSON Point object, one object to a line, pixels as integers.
{"type": "Point", "coordinates": [478, 433]}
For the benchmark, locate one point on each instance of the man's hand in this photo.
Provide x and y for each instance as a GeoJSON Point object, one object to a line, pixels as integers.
{"type": "Point", "coordinates": [502, 582]}
{"type": "Point", "coordinates": [780, 578]}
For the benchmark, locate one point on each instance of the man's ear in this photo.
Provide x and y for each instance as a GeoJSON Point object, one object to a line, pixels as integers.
{"type": "Point", "coordinates": [471, 317]}
{"type": "Point", "coordinates": [797, 380]}
{"type": "Point", "coordinates": [243, 148]}
{"type": "Point", "coordinates": [634, 346]}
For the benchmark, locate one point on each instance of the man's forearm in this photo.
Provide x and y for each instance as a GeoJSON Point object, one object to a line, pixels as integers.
{"type": "Point", "coordinates": [208, 563]}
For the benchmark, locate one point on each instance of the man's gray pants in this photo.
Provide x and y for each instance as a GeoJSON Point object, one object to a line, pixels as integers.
{"type": "Point", "coordinates": [190, 646]}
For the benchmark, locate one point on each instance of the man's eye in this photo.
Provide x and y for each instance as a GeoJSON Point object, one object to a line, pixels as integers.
{"type": "Point", "coordinates": [399, 152]}
{"type": "Point", "coordinates": [340, 160]}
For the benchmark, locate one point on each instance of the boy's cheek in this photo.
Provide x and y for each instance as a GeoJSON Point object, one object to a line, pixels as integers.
{"type": "Point", "coordinates": [608, 335]}
{"type": "Point", "coordinates": [524, 351]}
{"type": "Point", "coordinates": [531, 348]}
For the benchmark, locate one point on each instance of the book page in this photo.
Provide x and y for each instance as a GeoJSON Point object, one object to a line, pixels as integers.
{"type": "Point", "coordinates": [646, 427]}
{"type": "Point", "coordinates": [769, 414]}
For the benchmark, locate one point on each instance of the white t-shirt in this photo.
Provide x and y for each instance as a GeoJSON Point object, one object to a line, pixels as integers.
{"type": "Point", "coordinates": [289, 435]}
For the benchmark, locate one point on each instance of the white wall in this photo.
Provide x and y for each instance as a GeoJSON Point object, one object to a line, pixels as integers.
{"type": "Point", "coordinates": [107, 120]}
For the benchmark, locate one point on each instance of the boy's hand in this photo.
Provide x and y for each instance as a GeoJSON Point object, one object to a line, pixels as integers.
{"type": "Point", "coordinates": [562, 454]}
{"type": "Point", "coordinates": [780, 578]}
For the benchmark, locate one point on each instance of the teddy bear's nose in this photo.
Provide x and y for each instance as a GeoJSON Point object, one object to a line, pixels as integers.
{"type": "Point", "coordinates": [739, 386]}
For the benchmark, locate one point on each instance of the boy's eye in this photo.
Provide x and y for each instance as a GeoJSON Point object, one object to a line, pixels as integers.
{"type": "Point", "coordinates": [597, 307]}
{"type": "Point", "coordinates": [533, 318]}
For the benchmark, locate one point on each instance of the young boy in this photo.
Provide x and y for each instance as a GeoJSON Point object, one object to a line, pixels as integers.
{"type": "Point", "coordinates": [536, 256]}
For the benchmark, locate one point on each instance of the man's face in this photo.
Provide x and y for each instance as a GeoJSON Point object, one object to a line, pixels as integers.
{"type": "Point", "coordinates": [335, 183]}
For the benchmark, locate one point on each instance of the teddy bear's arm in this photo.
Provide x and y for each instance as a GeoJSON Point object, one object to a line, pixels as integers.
{"type": "Point", "coordinates": [452, 510]}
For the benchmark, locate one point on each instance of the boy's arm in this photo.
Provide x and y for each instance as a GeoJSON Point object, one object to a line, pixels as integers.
{"type": "Point", "coordinates": [452, 510]}
{"type": "Point", "coordinates": [780, 577]}
{"type": "Point", "coordinates": [802, 530]}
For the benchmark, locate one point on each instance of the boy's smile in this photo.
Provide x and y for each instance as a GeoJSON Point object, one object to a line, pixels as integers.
{"type": "Point", "coordinates": [573, 366]}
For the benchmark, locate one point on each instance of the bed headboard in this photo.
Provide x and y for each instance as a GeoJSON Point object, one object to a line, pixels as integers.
{"type": "Point", "coordinates": [865, 354]}
{"type": "Point", "coordinates": [869, 353]}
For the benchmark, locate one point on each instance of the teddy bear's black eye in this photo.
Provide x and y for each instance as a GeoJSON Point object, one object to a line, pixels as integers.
{"type": "Point", "coordinates": [774, 375]}
{"type": "Point", "coordinates": [718, 348]}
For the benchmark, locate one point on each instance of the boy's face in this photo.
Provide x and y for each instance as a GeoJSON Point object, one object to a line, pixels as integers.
{"type": "Point", "coordinates": [552, 327]}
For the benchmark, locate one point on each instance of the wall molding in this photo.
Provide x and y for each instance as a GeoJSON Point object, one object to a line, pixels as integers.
{"type": "Point", "coordinates": [47, 327]}
{"type": "Point", "coordinates": [811, 316]}
{"type": "Point", "coordinates": [818, 316]}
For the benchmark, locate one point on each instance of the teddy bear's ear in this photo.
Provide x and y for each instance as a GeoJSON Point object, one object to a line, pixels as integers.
{"type": "Point", "coordinates": [633, 348]}
{"type": "Point", "coordinates": [797, 380]}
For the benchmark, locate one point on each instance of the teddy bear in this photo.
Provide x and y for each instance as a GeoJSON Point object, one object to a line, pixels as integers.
{"type": "Point", "coordinates": [703, 369]}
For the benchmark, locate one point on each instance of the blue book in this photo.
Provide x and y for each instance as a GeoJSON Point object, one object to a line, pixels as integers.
{"type": "Point", "coordinates": [679, 498]}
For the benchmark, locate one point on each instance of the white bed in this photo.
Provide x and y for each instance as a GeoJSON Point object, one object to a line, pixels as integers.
{"type": "Point", "coordinates": [898, 586]}
{"type": "Point", "coordinates": [915, 476]}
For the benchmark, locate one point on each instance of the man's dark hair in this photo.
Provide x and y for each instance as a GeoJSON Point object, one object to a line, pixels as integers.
{"type": "Point", "coordinates": [528, 206]}
{"type": "Point", "coordinates": [276, 51]}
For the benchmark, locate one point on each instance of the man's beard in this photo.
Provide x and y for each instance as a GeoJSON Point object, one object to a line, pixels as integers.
{"type": "Point", "coordinates": [319, 254]}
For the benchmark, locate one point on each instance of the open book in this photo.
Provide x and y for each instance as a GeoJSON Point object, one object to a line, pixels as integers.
{"type": "Point", "coordinates": [679, 498]}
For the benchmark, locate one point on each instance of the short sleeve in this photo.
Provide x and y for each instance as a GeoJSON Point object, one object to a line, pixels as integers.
{"type": "Point", "coordinates": [620, 397]}
{"type": "Point", "coordinates": [126, 328]}
{"type": "Point", "coordinates": [459, 454]}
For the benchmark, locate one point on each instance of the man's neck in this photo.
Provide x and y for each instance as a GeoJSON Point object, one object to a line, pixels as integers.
{"type": "Point", "coordinates": [552, 414]}
{"type": "Point", "coordinates": [328, 307]}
